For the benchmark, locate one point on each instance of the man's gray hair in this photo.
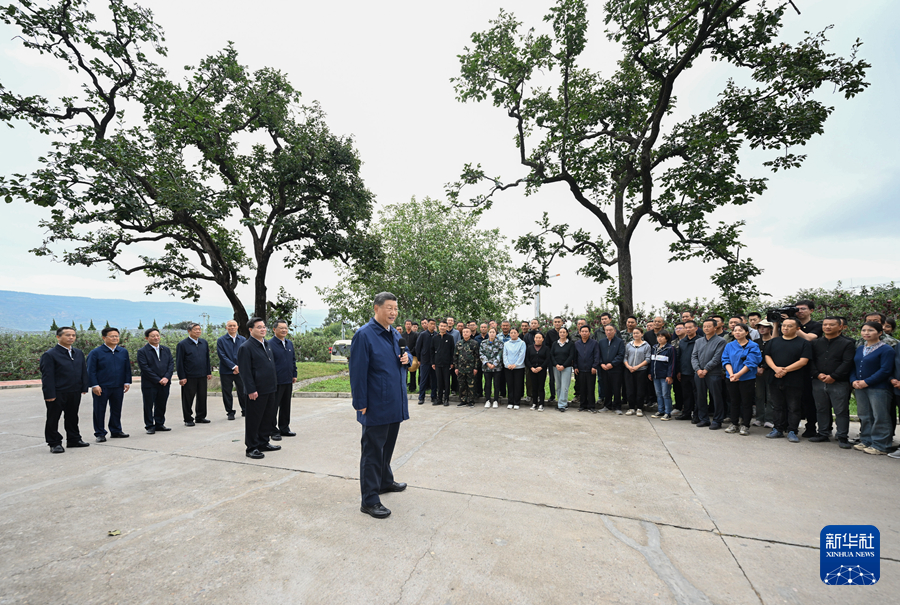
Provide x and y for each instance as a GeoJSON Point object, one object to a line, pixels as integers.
{"type": "Point", "coordinates": [383, 297]}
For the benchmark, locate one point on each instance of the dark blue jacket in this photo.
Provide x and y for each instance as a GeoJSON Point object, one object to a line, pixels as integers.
{"type": "Point", "coordinates": [285, 360]}
{"type": "Point", "coordinates": [876, 368]}
{"type": "Point", "coordinates": [664, 361]}
{"type": "Point", "coordinates": [257, 364]}
{"type": "Point", "coordinates": [193, 359]}
{"type": "Point", "coordinates": [63, 374]}
{"type": "Point", "coordinates": [587, 355]}
{"type": "Point", "coordinates": [423, 348]}
{"type": "Point", "coordinates": [153, 368]}
{"type": "Point", "coordinates": [685, 349]}
{"type": "Point", "coordinates": [377, 378]}
{"type": "Point", "coordinates": [612, 351]}
{"type": "Point", "coordinates": [107, 369]}
{"type": "Point", "coordinates": [227, 350]}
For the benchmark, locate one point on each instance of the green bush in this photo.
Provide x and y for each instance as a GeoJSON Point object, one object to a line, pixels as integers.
{"type": "Point", "coordinates": [313, 347]}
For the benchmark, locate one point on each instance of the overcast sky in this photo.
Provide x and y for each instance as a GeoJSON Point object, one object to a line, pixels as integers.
{"type": "Point", "coordinates": [381, 72]}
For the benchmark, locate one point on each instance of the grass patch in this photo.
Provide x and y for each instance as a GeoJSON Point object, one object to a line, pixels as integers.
{"type": "Point", "coordinates": [315, 369]}
{"type": "Point", "coordinates": [333, 385]}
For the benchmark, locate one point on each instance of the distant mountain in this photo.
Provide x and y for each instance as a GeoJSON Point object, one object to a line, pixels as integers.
{"type": "Point", "coordinates": [32, 312]}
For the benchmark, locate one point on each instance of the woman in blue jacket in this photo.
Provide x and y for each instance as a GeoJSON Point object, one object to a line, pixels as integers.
{"type": "Point", "coordinates": [663, 360]}
{"type": "Point", "coordinates": [874, 366]}
{"type": "Point", "coordinates": [741, 358]}
{"type": "Point", "coordinates": [514, 366]}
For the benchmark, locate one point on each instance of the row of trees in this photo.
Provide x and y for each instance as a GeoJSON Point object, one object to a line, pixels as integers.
{"type": "Point", "coordinates": [191, 168]}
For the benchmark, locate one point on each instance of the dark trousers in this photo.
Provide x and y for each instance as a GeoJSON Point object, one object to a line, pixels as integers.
{"type": "Point", "coordinates": [676, 392]}
{"type": "Point", "coordinates": [155, 398]}
{"type": "Point", "coordinates": [282, 408]}
{"type": "Point", "coordinates": [492, 384]}
{"type": "Point", "coordinates": [710, 387]}
{"type": "Point", "coordinates": [585, 385]}
{"type": "Point", "coordinates": [194, 387]}
{"type": "Point", "coordinates": [537, 381]}
{"type": "Point", "coordinates": [257, 413]}
{"type": "Point", "coordinates": [501, 380]}
{"type": "Point", "coordinates": [552, 387]}
{"type": "Point", "coordinates": [741, 395]}
{"type": "Point", "coordinates": [443, 383]}
{"type": "Point", "coordinates": [66, 404]}
{"type": "Point", "coordinates": [230, 381]}
{"type": "Point", "coordinates": [113, 397]}
{"type": "Point", "coordinates": [478, 389]}
{"type": "Point", "coordinates": [454, 383]}
{"type": "Point", "coordinates": [412, 380]}
{"type": "Point", "coordinates": [636, 384]}
{"type": "Point", "coordinates": [688, 395]}
{"type": "Point", "coordinates": [808, 403]}
{"type": "Point", "coordinates": [427, 379]}
{"type": "Point", "coordinates": [375, 474]}
{"type": "Point", "coordinates": [787, 404]}
{"type": "Point", "coordinates": [611, 387]}
{"type": "Point", "coordinates": [515, 384]}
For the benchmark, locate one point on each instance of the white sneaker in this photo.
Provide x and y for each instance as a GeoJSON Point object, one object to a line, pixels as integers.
{"type": "Point", "coordinates": [540, 408]}
{"type": "Point", "coordinates": [515, 407]}
{"type": "Point", "coordinates": [533, 407]}
{"type": "Point", "coordinates": [895, 455]}
{"type": "Point", "coordinates": [629, 412]}
{"type": "Point", "coordinates": [756, 423]}
{"type": "Point", "coordinates": [769, 425]}
{"type": "Point", "coordinates": [495, 404]}
{"type": "Point", "coordinates": [487, 403]}
{"type": "Point", "coordinates": [640, 413]}
{"type": "Point", "coordinates": [509, 407]}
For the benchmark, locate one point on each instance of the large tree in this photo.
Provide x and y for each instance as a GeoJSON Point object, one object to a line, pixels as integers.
{"type": "Point", "coordinates": [437, 262]}
{"type": "Point", "coordinates": [208, 180]}
{"type": "Point", "coordinates": [614, 140]}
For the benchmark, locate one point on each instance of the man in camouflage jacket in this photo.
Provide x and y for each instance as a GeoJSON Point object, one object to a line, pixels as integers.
{"type": "Point", "coordinates": [465, 360]}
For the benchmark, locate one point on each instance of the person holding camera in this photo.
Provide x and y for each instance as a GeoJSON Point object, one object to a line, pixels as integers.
{"type": "Point", "coordinates": [786, 355]}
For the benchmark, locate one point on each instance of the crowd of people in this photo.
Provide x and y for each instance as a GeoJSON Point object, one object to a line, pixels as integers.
{"type": "Point", "coordinates": [259, 371]}
{"type": "Point", "coordinates": [743, 373]}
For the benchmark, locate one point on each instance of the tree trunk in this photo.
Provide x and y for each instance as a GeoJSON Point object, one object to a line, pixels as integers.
{"type": "Point", "coordinates": [240, 311]}
{"type": "Point", "coordinates": [259, 300]}
{"type": "Point", "coordinates": [626, 287]}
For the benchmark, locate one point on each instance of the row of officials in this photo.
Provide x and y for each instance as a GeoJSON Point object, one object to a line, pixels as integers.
{"type": "Point", "coordinates": [261, 371]}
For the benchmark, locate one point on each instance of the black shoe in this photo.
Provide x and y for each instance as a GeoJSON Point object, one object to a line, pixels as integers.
{"type": "Point", "coordinates": [255, 454]}
{"type": "Point", "coordinates": [561, 409]}
{"type": "Point", "coordinates": [78, 443]}
{"type": "Point", "coordinates": [269, 448]}
{"type": "Point", "coordinates": [583, 410]}
{"type": "Point", "coordinates": [151, 431]}
{"type": "Point", "coordinates": [714, 426]}
{"type": "Point", "coordinates": [705, 423]}
{"type": "Point", "coordinates": [288, 433]}
{"type": "Point", "coordinates": [275, 437]}
{"type": "Point", "coordinates": [435, 403]}
{"type": "Point", "coordinates": [378, 511]}
{"type": "Point", "coordinates": [447, 403]}
{"type": "Point", "coordinates": [189, 423]}
{"type": "Point", "coordinates": [819, 439]}
{"type": "Point", "coordinates": [57, 449]}
{"type": "Point", "coordinates": [461, 404]}
{"type": "Point", "coordinates": [231, 415]}
{"type": "Point", "coordinates": [421, 402]}
{"type": "Point", "coordinates": [682, 418]}
{"type": "Point", "coordinates": [163, 428]}
{"type": "Point", "coordinates": [809, 433]}
{"type": "Point", "coordinates": [202, 421]}
{"type": "Point", "coordinates": [119, 435]}
{"type": "Point", "coordinates": [242, 413]}
{"type": "Point", "coordinates": [843, 443]}
{"type": "Point", "coordinates": [101, 438]}
{"type": "Point", "coordinates": [394, 487]}
{"type": "Point", "coordinates": [695, 420]}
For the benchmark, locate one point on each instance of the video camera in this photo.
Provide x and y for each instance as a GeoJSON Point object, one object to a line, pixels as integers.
{"type": "Point", "coordinates": [776, 315]}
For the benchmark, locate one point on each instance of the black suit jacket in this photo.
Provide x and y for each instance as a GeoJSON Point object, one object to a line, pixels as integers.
{"type": "Point", "coordinates": [62, 374]}
{"type": "Point", "coordinates": [153, 368]}
{"type": "Point", "coordinates": [424, 350]}
{"type": "Point", "coordinates": [193, 359]}
{"type": "Point", "coordinates": [257, 364]}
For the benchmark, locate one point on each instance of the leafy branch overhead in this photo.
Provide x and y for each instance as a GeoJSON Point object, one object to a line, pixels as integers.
{"type": "Point", "coordinates": [219, 176]}
{"type": "Point", "coordinates": [614, 142]}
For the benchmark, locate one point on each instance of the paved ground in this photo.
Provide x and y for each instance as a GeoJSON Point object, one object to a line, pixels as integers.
{"type": "Point", "coordinates": [503, 507]}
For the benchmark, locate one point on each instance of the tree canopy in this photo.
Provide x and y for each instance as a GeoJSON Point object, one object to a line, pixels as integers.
{"type": "Point", "coordinates": [614, 142]}
{"type": "Point", "coordinates": [436, 261]}
{"type": "Point", "coordinates": [195, 169]}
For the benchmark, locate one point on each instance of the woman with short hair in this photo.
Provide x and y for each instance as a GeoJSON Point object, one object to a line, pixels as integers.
{"type": "Point", "coordinates": [662, 372]}
{"type": "Point", "coordinates": [874, 367]}
{"type": "Point", "coordinates": [562, 358]}
{"type": "Point", "coordinates": [740, 359]}
{"type": "Point", "coordinates": [514, 368]}
{"type": "Point", "coordinates": [637, 362]}
{"type": "Point", "coordinates": [492, 366]}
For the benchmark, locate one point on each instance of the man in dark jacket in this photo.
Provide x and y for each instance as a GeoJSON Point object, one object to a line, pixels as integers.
{"type": "Point", "coordinates": [550, 339]}
{"type": "Point", "coordinates": [706, 359]}
{"type": "Point", "coordinates": [157, 366]}
{"type": "Point", "coordinates": [377, 382]}
{"type": "Point", "coordinates": [109, 374]}
{"type": "Point", "coordinates": [64, 379]}
{"type": "Point", "coordinates": [260, 380]}
{"type": "Point", "coordinates": [194, 370]}
{"type": "Point", "coordinates": [465, 360]}
{"type": "Point", "coordinates": [830, 367]}
{"type": "Point", "coordinates": [442, 346]}
{"type": "Point", "coordinates": [425, 353]}
{"type": "Point", "coordinates": [412, 335]}
{"type": "Point", "coordinates": [686, 373]}
{"type": "Point", "coordinates": [612, 356]}
{"type": "Point", "coordinates": [587, 363]}
{"type": "Point", "coordinates": [229, 371]}
{"type": "Point", "coordinates": [286, 375]}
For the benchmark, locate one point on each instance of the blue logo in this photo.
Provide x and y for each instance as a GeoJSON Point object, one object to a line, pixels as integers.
{"type": "Point", "coordinates": [850, 555]}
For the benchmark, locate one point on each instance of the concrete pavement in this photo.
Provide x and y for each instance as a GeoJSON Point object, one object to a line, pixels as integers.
{"type": "Point", "coordinates": [503, 507]}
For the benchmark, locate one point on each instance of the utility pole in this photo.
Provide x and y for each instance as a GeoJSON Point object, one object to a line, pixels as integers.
{"type": "Point", "coordinates": [537, 297]}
